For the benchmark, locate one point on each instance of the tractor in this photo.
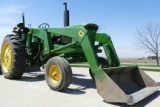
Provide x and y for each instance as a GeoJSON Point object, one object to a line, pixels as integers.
{"type": "Point", "coordinates": [56, 48]}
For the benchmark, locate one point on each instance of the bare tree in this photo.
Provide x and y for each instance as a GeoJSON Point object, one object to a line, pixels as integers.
{"type": "Point", "coordinates": [148, 37]}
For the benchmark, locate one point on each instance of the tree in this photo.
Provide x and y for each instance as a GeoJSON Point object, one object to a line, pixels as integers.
{"type": "Point", "coordinates": [148, 37]}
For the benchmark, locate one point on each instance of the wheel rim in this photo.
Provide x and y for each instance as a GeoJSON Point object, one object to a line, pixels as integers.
{"type": "Point", "coordinates": [6, 57]}
{"type": "Point", "coordinates": [54, 74]}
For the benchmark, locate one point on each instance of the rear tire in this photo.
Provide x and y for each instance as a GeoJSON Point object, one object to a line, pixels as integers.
{"type": "Point", "coordinates": [0, 70]}
{"type": "Point", "coordinates": [13, 58]}
{"type": "Point", "coordinates": [58, 73]}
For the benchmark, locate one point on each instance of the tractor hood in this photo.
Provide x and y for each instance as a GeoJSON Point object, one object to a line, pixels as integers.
{"type": "Point", "coordinates": [86, 26]}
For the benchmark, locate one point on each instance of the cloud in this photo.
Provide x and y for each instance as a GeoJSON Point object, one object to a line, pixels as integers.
{"type": "Point", "coordinates": [12, 9]}
{"type": "Point", "coordinates": [6, 20]}
{"type": "Point", "coordinates": [9, 18]}
{"type": "Point", "coordinates": [4, 31]}
{"type": "Point", "coordinates": [9, 14]}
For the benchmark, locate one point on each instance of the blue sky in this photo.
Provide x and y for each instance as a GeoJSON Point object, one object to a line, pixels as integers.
{"type": "Point", "coordinates": [118, 18]}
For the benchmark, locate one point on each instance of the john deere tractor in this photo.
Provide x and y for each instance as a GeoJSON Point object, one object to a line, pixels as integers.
{"type": "Point", "coordinates": [57, 47]}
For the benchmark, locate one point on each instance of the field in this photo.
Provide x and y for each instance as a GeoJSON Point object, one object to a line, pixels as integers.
{"type": "Point", "coordinates": [144, 64]}
{"type": "Point", "coordinates": [133, 60]}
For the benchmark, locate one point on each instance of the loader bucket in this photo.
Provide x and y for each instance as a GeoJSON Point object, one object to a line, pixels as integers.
{"type": "Point", "coordinates": [125, 85]}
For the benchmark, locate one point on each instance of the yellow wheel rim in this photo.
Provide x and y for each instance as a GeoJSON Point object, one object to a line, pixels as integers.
{"type": "Point", "coordinates": [54, 74]}
{"type": "Point", "coordinates": [6, 57]}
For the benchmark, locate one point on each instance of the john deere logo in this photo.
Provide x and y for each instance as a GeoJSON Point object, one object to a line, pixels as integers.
{"type": "Point", "coordinates": [81, 34]}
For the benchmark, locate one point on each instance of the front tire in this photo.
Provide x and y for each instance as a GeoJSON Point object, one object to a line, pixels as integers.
{"type": "Point", "coordinates": [58, 73]}
{"type": "Point", "coordinates": [13, 58]}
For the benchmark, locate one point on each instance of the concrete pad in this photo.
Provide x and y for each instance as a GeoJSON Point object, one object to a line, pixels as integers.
{"type": "Point", "coordinates": [32, 91]}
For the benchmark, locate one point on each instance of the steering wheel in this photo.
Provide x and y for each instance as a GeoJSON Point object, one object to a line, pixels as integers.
{"type": "Point", "coordinates": [43, 25]}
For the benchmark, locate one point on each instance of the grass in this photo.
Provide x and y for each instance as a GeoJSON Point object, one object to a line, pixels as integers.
{"type": "Point", "coordinates": [144, 64]}
{"type": "Point", "coordinates": [150, 69]}
{"type": "Point", "coordinates": [141, 64]}
{"type": "Point", "coordinates": [146, 67]}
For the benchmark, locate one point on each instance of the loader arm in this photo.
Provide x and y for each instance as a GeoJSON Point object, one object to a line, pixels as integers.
{"type": "Point", "coordinates": [109, 49]}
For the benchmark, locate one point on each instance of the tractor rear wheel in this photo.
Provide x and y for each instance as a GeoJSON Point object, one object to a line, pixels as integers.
{"type": "Point", "coordinates": [58, 73]}
{"type": "Point", "coordinates": [0, 70]}
{"type": "Point", "coordinates": [12, 57]}
{"type": "Point", "coordinates": [102, 62]}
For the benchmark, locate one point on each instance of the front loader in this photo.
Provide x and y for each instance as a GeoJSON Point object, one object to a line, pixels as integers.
{"type": "Point", "coordinates": [57, 47]}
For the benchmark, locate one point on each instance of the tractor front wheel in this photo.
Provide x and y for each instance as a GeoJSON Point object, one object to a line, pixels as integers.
{"type": "Point", "coordinates": [58, 73]}
{"type": "Point", "coordinates": [13, 58]}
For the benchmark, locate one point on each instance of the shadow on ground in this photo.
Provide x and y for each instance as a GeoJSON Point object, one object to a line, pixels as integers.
{"type": "Point", "coordinates": [81, 84]}
{"type": "Point", "coordinates": [32, 77]}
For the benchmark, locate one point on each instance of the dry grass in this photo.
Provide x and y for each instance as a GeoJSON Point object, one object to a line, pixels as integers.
{"type": "Point", "coordinates": [132, 60]}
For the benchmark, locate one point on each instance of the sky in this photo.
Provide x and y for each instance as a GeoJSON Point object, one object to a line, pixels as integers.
{"type": "Point", "coordinates": [118, 18]}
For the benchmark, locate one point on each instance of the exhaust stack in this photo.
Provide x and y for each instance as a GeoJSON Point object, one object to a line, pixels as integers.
{"type": "Point", "coordinates": [66, 15]}
{"type": "Point", "coordinates": [64, 39]}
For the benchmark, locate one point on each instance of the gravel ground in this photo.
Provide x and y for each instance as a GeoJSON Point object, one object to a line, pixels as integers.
{"type": "Point", "coordinates": [32, 91]}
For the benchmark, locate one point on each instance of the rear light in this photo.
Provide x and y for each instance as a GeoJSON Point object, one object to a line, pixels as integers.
{"type": "Point", "coordinates": [14, 28]}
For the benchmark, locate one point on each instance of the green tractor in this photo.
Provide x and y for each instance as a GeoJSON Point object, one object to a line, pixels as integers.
{"type": "Point", "coordinates": [57, 47]}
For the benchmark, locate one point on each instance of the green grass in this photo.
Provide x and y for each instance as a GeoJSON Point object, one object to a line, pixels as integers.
{"type": "Point", "coordinates": [146, 67]}
{"type": "Point", "coordinates": [150, 69]}
{"type": "Point", "coordinates": [79, 65]}
{"type": "Point", "coordinates": [140, 64]}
